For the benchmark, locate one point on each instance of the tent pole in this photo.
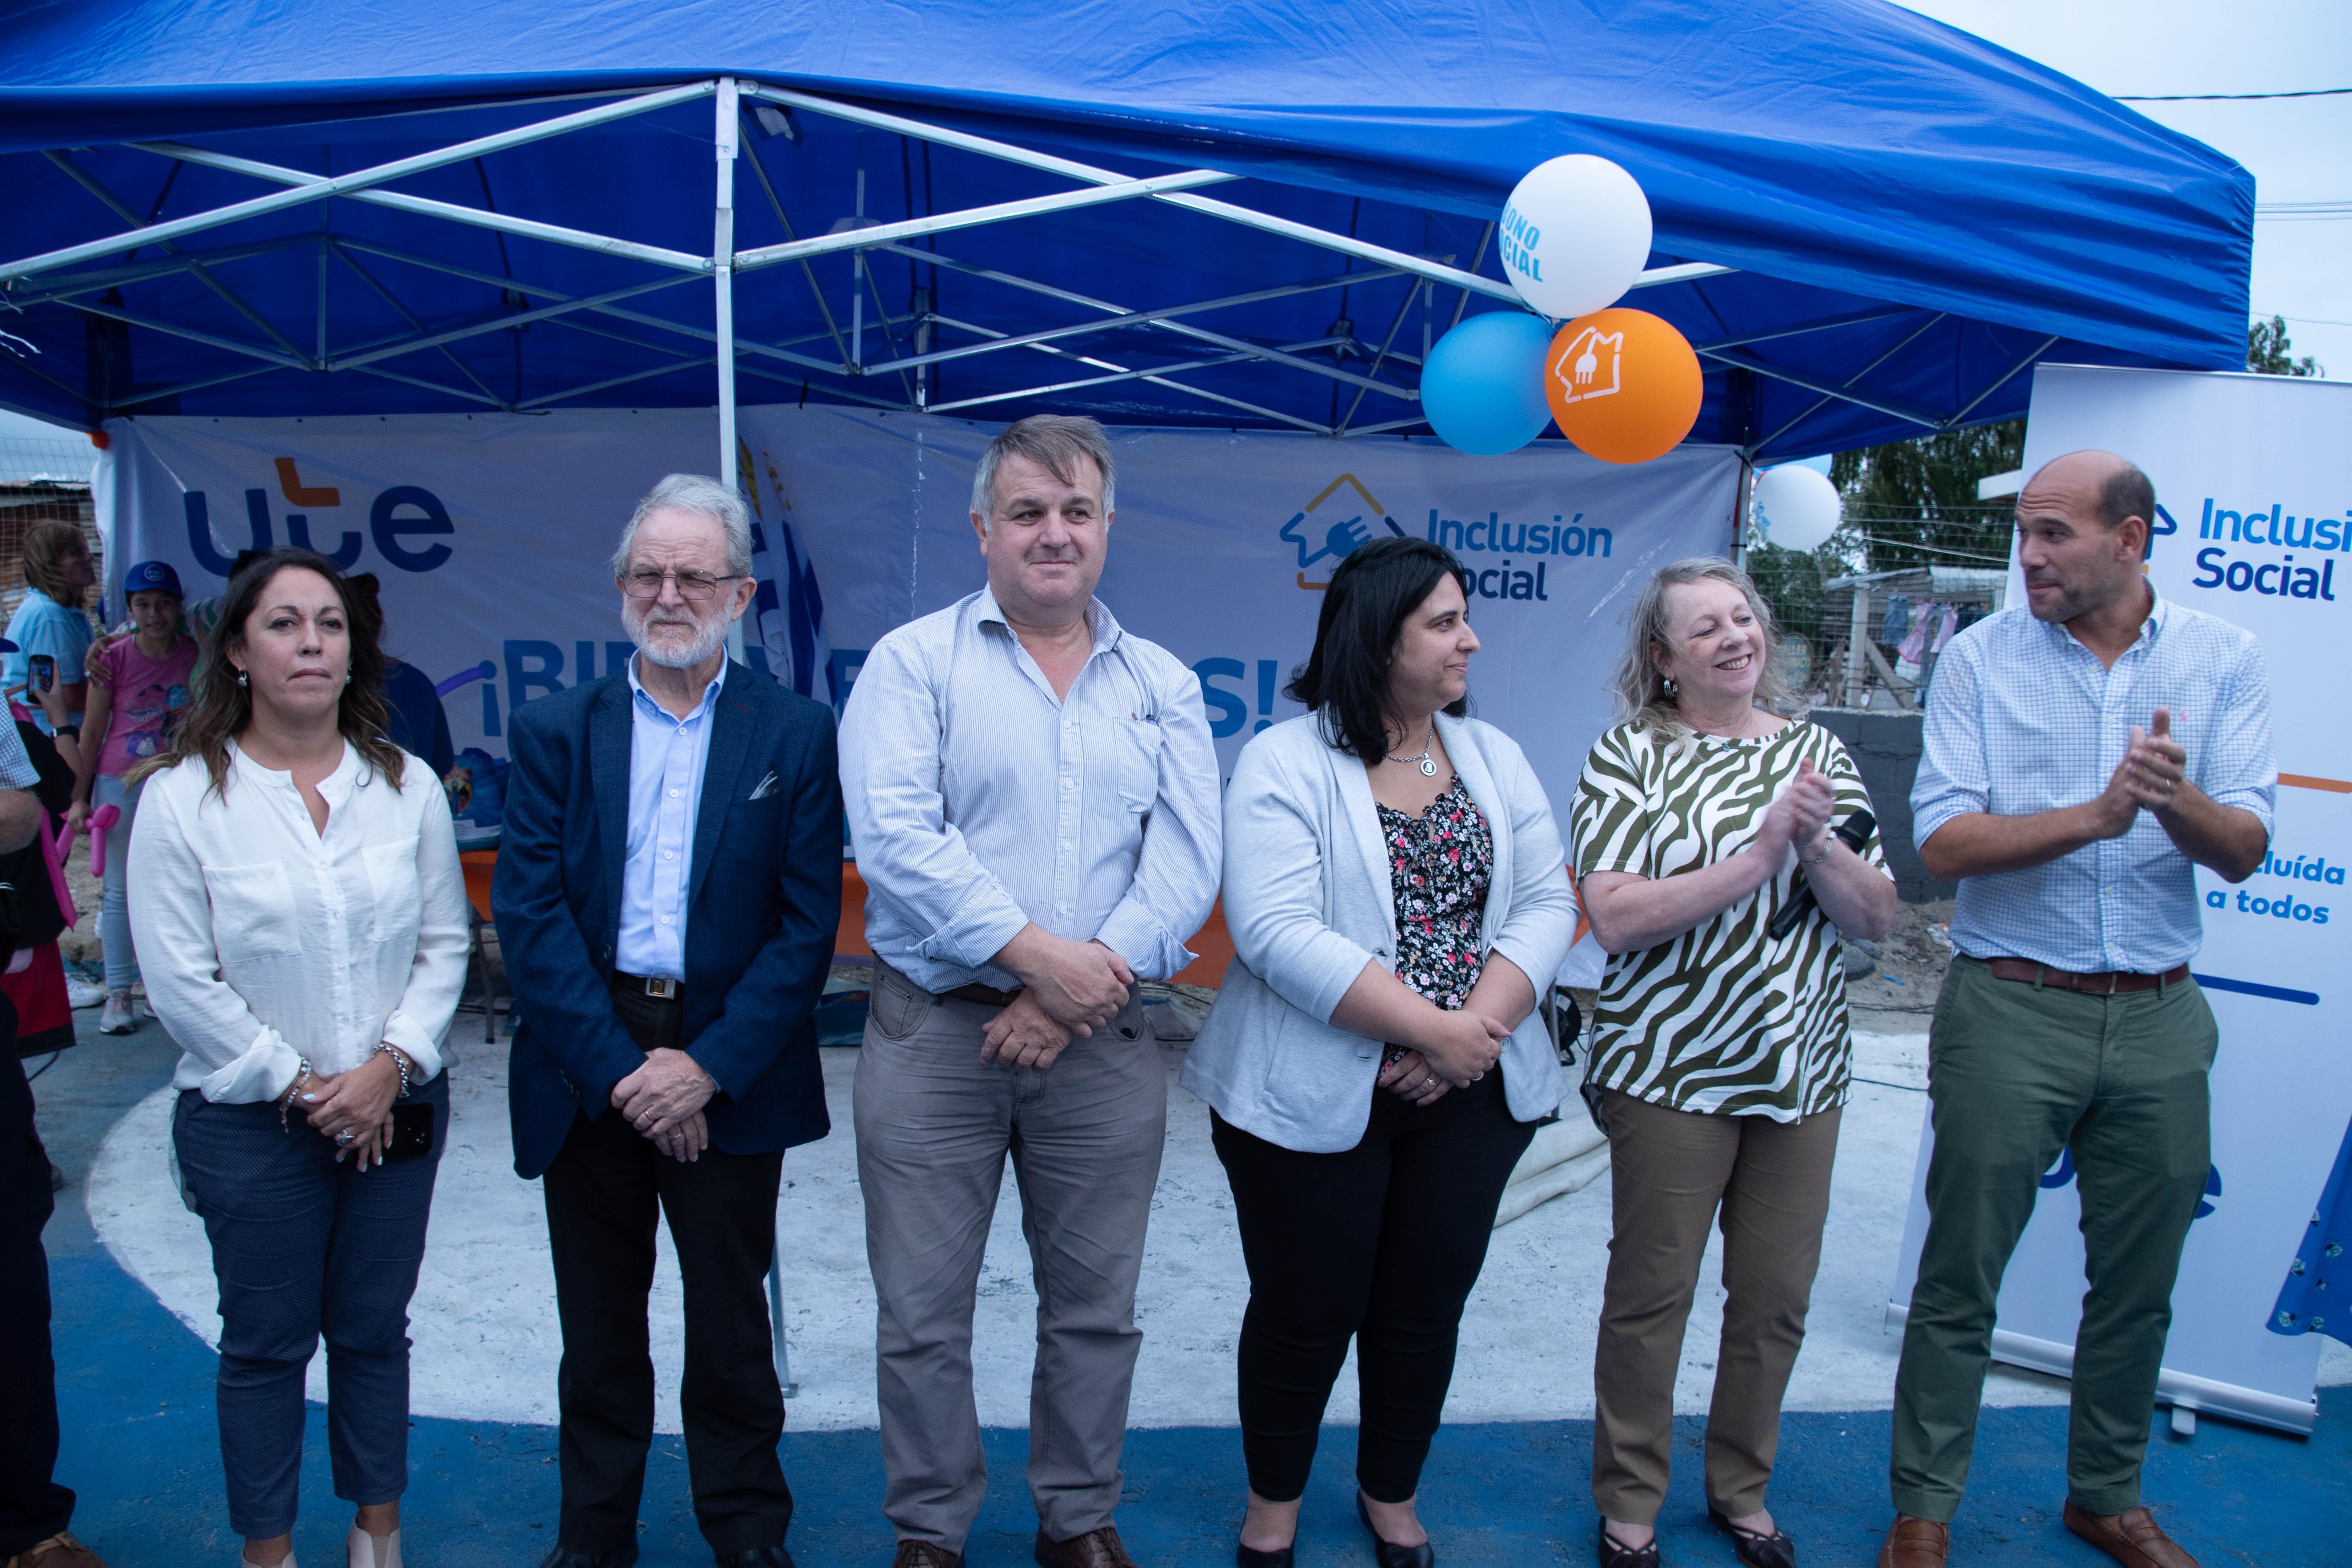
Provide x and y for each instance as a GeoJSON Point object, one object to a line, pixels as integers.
{"type": "Point", "coordinates": [724, 131]}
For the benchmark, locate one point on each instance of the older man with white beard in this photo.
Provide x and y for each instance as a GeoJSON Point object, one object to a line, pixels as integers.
{"type": "Point", "coordinates": [668, 890]}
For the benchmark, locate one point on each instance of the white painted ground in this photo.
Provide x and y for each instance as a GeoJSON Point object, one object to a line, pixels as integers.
{"type": "Point", "coordinates": [487, 1343]}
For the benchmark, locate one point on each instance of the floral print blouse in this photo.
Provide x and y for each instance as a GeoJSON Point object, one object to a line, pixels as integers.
{"type": "Point", "coordinates": [1441, 864]}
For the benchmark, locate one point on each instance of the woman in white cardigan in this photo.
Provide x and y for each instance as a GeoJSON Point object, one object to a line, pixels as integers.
{"type": "Point", "coordinates": [301, 925]}
{"type": "Point", "coordinates": [1396, 892]}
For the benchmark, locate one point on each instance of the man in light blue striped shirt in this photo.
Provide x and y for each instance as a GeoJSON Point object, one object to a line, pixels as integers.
{"type": "Point", "coordinates": [2083, 755]}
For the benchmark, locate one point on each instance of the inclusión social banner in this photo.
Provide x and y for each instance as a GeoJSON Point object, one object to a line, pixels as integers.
{"type": "Point", "coordinates": [2252, 474]}
{"type": "Point", "coordinates": [490, 536]}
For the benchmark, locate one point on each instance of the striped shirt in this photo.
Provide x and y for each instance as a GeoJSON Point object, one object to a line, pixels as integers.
{"type": "Point", "coordinates": [2022, 718]}
{"type": "Point", "coordinates": [1721, 1018]}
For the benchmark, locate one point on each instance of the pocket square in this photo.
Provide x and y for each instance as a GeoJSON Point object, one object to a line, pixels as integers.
{"type": "Point", "coordinates": [766, 787]}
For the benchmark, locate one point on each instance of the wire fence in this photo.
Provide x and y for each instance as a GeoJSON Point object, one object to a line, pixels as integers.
{"type": "Point", "coordinates": [1861, 618]}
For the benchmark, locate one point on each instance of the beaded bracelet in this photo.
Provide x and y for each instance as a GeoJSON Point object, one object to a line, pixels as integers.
{"type": "Point", "coordinates": [286, 1101]}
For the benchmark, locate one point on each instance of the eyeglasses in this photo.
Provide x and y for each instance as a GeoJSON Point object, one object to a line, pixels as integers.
{"type": "Point", "coordinates": [646, 583]}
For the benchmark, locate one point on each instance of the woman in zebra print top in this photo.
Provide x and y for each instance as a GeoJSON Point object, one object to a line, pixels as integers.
{"type": "Point", "coordinates": [1719, 1058]}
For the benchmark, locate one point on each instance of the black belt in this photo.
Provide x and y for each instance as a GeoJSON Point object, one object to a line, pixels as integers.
{"type": "Point", "coordinates": [986, 996]}
{"type": "Point", "coordinates": [659, 987]}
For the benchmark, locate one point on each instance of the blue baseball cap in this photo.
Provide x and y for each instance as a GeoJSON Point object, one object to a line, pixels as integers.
{"type": "Point", "coordinates": [150, 576]}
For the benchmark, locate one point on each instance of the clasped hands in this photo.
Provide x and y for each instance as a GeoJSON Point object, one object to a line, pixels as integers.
{"type": "Point", "coordinates": [1467, 1045]}
{"type": "Point", "coordinates": [357, 1103]}
{"type": "Point", "coordinates": [664, 1100]}
{"type": "Point", "coordinates": [2150, 777]}
{"type": "Point", "coordinates": [1068, 989]}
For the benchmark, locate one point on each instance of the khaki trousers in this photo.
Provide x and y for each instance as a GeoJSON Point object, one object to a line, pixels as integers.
{"type": "Point", "coordinates": [935, 1124]}
{"type": "Point", "coordinates": [1672, 1174]}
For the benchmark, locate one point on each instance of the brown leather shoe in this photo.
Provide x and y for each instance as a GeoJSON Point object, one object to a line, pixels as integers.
{"type": "Point", "coordinates": [2132, 1538]}
{"type": "Point", "coordinates": [1094, 1549]}
{"type": "Point", "coordinates": [923, 1554]}
{"type": "Point", "coordinates": [1916, 1543]}
{"type": "Point", "coordinates": [60, 1550]}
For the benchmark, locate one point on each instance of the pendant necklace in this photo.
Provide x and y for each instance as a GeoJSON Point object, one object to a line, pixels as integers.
{"type": "Point", "coordinates": [1428, 766]}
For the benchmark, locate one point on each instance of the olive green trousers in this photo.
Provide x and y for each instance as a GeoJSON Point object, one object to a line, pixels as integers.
{"type": "Point", "coordinates": [2017, 1072]}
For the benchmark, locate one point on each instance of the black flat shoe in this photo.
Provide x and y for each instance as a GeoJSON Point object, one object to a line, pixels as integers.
{"type": "Point", "coordinates": [1755, 1548]}
{"type": "Point", "coordinates": [1615, 1554]}
{"type": "Point", "coordinates": [1251, 1557]}
{"type": "Point", "coordinates": [1389, 1556]}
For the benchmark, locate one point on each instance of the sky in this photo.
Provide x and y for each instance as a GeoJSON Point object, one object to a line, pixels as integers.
{"type": "Point", "coordinates": [2298, 149]}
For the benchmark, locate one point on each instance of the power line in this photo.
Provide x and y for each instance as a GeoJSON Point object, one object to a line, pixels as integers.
{"type": "Point", "coordinates": [2227, 97]}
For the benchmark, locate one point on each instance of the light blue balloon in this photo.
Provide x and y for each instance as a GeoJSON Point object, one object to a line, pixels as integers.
{"type": "Point", "coordinates": [1482, 390]}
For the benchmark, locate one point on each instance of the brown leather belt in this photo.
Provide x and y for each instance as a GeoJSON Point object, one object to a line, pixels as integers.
{"type": "Point", "coordinates": [2107, 984]}
{"type": "Point", "coordinates": [986, 996]}
{"type": "Point", "coordinates": [659, 987]}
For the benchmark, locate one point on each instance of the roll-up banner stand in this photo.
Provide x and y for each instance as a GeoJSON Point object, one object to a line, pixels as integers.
{"type": "Point", "coordinates": [2253, 475]}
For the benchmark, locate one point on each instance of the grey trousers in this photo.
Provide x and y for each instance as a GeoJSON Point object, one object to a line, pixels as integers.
{"type": "Point", "coordinates": [934, 1126]}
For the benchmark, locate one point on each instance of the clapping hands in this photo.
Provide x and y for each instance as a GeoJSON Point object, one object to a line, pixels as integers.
{"type": "Point", "coordinates": [1799, 819]}
{"type": "Point", "coordinates": [2150, 777]}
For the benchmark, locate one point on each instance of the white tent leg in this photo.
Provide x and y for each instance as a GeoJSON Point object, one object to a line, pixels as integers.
{"type": "Point", "coordinates": [722, 274]}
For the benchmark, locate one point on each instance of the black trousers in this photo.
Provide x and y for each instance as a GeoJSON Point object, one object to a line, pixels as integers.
{"type": "Point", "coordinates": [606, 1190]}
{"type": "Point", "coordinates": [33, 1507]}
{"type": "Point", "coordinates": [1381, 1242]}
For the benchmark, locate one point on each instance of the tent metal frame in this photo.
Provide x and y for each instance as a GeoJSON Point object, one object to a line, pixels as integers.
{"type": "Point", "coordinates": [52, 278]}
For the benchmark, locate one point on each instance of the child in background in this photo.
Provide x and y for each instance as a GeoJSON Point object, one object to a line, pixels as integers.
{"type": "Point", "coordinates": [127, 718]}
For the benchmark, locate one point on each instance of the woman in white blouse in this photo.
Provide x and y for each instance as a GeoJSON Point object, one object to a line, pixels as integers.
{"type": "Point", "coordinates": [300, 920]}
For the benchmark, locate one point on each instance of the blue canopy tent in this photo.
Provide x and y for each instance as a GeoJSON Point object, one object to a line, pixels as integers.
{"type": "Point", "coordinates": [1871, 226]}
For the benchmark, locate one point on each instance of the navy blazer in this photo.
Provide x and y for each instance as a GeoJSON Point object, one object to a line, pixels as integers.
{"type": "Point", "coordinates": [764, 905]}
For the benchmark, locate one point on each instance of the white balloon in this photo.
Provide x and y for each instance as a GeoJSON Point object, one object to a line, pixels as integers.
{"type": "Point", "coordinates": [1796, 508]}
{"type": "Point", "coordinates": [1575, 235]}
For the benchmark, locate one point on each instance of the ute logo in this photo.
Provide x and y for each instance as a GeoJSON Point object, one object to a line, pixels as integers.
{"type": "Point", "coordinates": [1331, 537]}
{"type": "Point", "coordinates": [1588, 367]}
{"type": "Point", "coordinates": [396, 515]}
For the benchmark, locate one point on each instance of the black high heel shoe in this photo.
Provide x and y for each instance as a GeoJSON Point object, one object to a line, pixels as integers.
{"type": "Point", "coordinates": [1251, 1557]}
{"type": "Point", "coordinates": [1389, 1555]}
{"type": "Point", "coordinates": [1615, 1554]}
{"type": "Point", "coordinates": [1756, 1549]}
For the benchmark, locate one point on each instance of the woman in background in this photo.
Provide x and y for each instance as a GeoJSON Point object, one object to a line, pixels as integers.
{"type": "Point", "coordinates": [295, 898]}
{"type": "Point", "coordinates": [1720, 1053]}
{"type": "Point", "coordinates": [49, 624]}
{"type": "Point", "coordinates": [126, 718]}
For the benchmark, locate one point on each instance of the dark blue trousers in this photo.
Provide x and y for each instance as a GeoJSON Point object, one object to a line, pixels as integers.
{"type": "Point", "coordinates": [303, 1247]}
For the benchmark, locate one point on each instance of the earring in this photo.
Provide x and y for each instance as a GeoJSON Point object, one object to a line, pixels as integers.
{"type": "Point", "coordinates": [241, 679]}
{"type": "Point", "coordinates": [1667, 683]}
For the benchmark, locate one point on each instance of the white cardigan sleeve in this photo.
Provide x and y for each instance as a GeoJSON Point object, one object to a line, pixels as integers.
{"type": "Point", "coordinates": [171, 924]}
{"type": "Point", "coordinates": [420, 1022]}
{"type": "Point", "coordinates": [1541, 926]}
{"type": "Point", "coordinates": [1275, 847]}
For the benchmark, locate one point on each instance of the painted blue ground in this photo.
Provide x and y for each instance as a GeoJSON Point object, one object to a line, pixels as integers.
{"type": "Point", "coordinates": [136, 1391]}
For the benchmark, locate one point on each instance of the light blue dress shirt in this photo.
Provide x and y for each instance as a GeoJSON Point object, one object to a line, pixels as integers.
{"type": "Point", "coordinates": [979, 802]}
{"type": "Point", "coordinates": [2021, 719]}
{"type": "Point", "coordinates": [667, 757]}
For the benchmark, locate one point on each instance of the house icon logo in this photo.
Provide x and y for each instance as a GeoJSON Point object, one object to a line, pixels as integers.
{"type": "Point", "coordinates": [1589, 366]}
{"type": "Point", "coordinates": [1333, 531]}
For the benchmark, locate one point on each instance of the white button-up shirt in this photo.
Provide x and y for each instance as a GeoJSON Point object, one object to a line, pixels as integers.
{"type": "Point", "coordinates": [666, 759]}
{"type": "Point", "coordinates": [979, 803]}
{"type": "Point", "coordinates": [263, 940]}
{"type": "Point", "coordinates": [2022, 718]}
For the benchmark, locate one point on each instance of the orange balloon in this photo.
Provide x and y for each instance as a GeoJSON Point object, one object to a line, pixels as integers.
{"type": "Point", "coordinates": [1623, 386]}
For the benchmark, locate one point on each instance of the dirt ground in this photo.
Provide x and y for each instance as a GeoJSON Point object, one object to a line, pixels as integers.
{"type": "Point", "coordinates": [1897, 995]}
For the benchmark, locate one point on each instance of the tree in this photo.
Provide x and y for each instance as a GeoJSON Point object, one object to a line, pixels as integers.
{"type": "Point", "coordinates": [2268, 350]}
{"type": "Point", "coordinates": [1913, 503]}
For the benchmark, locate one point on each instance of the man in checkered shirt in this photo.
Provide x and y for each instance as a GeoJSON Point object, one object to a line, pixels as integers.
{"type": "Point", "coordinates": [2081, 759]}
